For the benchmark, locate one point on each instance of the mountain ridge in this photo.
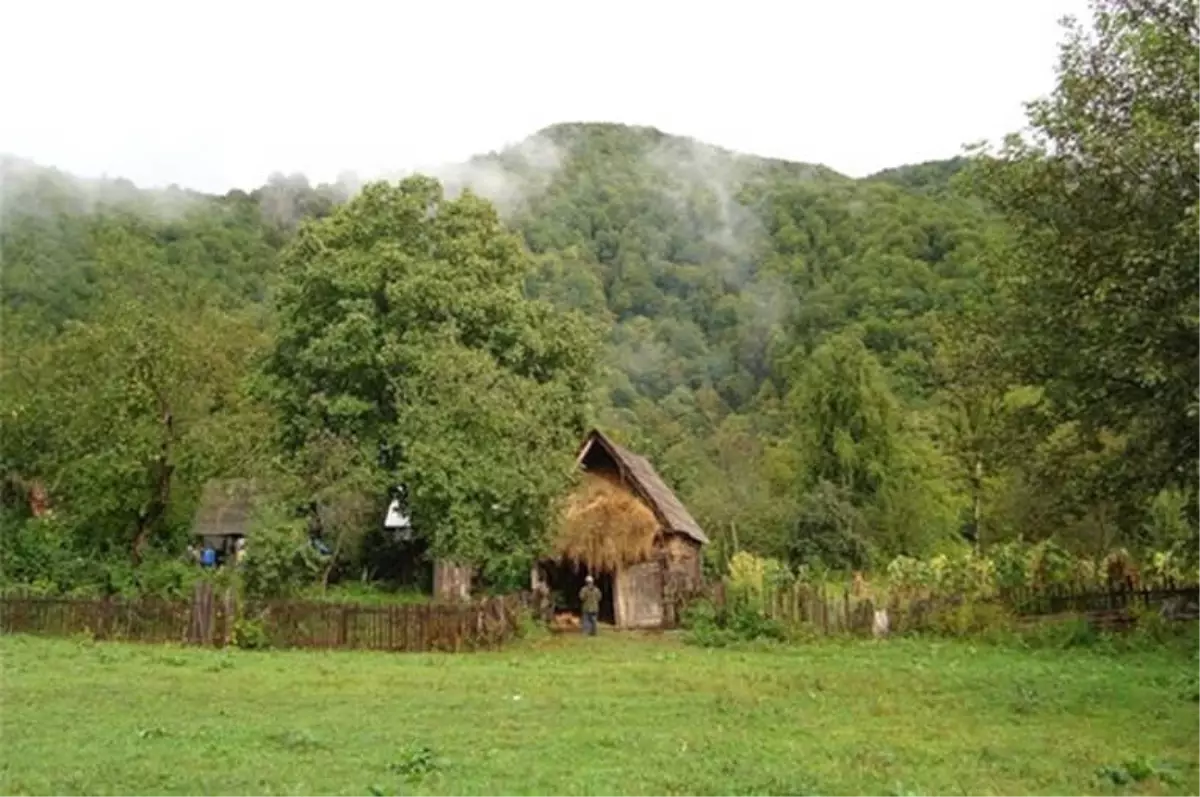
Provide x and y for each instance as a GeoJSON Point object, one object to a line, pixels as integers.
{"type": "Point", "coordinates": [559, 132]}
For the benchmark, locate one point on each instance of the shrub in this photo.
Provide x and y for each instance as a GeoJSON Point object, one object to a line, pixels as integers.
{"type": "Point", "coordinates": [747, 622]}
{"type": "Point", "coordinates": [973, 618]}
{"type": "Point", "coordinates": [756, 579]}
{"type": "Point", "coordinates": [1049, 564]}
{"type": "Point", "coordinates": [1165, 566]}
{"type": "Point", "coordinates": [167, 578]}
{"type": "Point", "coordinates": [908, 577]}
{"type": "Point", "coordinates": [250, 634]}
{"type": "Point", "coordinates": [740, 621]}
{"type": "Point", "coordinates": [280, 559]}
{"type": "Point", "coordinates": [1011, 562]}
{"type": "Point", "coordinates": [529, 626]}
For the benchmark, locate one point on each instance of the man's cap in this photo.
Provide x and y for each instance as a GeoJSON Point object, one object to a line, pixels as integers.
{"type": "Point", "coordinates": [589, 579]}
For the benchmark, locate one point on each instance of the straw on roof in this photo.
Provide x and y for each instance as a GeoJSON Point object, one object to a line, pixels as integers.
{"type": "Point", "coordinates": [673, 515]}
{"type": "Point", "coordinates": [605, 526]}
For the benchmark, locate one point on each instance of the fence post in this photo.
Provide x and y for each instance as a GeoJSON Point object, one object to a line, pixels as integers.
{"type": "Point", "coordinates": [341, 626]}
{"type": "Point", "coordinates": [228, 616]}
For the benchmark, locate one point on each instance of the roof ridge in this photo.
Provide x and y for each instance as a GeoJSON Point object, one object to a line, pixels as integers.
{"type": "Point", "coordinates": [662, 499]}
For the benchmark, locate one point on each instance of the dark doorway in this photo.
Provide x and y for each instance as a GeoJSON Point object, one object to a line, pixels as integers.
{"type": "Point", "coordinates": [566, 579]}
{"type": "Point", "coordinates": [400, 562]}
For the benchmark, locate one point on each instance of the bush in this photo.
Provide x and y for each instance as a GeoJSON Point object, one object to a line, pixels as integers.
{"type": "Point", "coordinates": [167, 578]}
{"type": "Point", "coordinates": [40, 553]}
{"type": "Point", "coordinates": [973, 618]}
{"type": "Point", "coordinates": [747, 622]}
{"type": "Point", "coordinates": [740, 621]}
{"type": "Point", "coordinates": [755, 578]}
{"type": "Point", "coordinates": [250, 634]}
{"type": "Point", "coordinates": [279, 559]}
{"type": "Point", "coordinates": [1050, 564]}
{"type": "Point", "coordinates": [702, 625]}
{"type": "Point", "coordinates": [529, 627]}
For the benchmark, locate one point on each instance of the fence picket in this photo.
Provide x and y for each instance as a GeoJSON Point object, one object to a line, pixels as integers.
{"type": "Point", "coordinates": [824, 611]}
{"type": "Point", "coordinates": [204, 620]}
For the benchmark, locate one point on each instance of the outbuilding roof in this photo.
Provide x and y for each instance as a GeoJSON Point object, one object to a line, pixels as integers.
{"type": "Point", "coordinates": [648, 484]}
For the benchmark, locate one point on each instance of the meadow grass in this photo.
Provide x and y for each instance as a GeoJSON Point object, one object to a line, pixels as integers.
{"type": "Point", "coordinates": [617, 714]}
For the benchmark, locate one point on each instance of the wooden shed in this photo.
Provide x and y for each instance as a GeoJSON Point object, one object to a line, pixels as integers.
{"type": "Point", "coordinates": [223, 516]}
{"type": "Point", "coordinates": [624, 526]}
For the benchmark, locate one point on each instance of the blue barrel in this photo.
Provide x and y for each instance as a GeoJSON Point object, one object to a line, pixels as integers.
{"type": "Point", "coordinates": [208, 558]}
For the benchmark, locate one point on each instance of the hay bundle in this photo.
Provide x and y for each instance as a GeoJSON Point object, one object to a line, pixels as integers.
{"type": "Point", "coordinates": [605, 526]}
{"type": "Point", "coordinates": [566, 621]}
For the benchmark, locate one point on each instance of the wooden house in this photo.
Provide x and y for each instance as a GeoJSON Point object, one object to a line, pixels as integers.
{"type": "Point", "coordinates": [624, 526]}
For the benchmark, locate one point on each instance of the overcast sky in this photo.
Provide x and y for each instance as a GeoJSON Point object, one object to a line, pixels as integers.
{"type": "Point", "coordinates": [217, 94]}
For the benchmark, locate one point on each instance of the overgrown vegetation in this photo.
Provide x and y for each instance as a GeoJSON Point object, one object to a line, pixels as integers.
{"type": "Point", "coordinates": [994, 600]}
{"type": "Point", "coordinates": [833, 373]}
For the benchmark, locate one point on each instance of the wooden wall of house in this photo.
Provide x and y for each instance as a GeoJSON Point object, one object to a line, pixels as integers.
{"type": "Point", "coordinates": [643, 590]}
{"type": "Point", "coordinates": [683, 560]}
{"type": "Point", "coordinates": [682, 575]}
{"type": "Point", "coordinates": [638, 598]}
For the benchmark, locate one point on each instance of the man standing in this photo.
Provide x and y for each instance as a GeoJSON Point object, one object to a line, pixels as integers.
{"type": "Point", "coordinates": [590, 597]}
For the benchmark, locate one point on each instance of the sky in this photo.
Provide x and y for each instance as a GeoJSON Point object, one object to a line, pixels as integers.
{"type": "Point", "coordinates": [219, 94]}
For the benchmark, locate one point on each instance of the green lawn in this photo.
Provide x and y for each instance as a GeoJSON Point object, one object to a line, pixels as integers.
{"type": "Point", "coordinates": [611, 715]}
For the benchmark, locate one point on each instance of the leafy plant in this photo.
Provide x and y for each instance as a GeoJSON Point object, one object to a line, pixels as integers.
{"type": "Point", "coordinates": [250, 634]}
{"type": "Point", "coordinates": [415, 761]}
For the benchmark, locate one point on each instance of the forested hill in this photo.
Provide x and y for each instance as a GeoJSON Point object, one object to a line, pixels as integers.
{"type": "Point", "coordinates": [709, 266]}
{"type": "Point", "coordinates": [831, 371]}
{"type": "Point", "coordinates": [714, 275]}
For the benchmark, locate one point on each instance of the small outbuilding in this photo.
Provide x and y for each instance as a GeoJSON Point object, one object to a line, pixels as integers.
{"type": "Point", "coordinates": [624, 526]}
{"type": "Point", "coordinates": [223, 516]}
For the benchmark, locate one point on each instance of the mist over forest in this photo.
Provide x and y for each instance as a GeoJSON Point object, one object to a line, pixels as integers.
{"type": "Point", "coordinates": [832, 372]}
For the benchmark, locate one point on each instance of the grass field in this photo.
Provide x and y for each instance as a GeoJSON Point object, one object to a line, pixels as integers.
{"type": "Point", "coordinates": [612, 715]}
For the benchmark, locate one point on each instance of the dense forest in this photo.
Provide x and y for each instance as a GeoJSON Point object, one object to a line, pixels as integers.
{"type": "Point", "coordinates": [830, 371]}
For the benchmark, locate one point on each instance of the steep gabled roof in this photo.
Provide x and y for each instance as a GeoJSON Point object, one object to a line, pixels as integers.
{"type": "Point", "coordinates": [225, 508]}
{"type": "Point", "coordinates": [649, 485]}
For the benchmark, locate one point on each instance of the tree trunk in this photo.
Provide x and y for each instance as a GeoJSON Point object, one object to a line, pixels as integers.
{"type": "Point", "coordinates": [333, 555]}
{"type": "Point", "coordinates": [160, 472]}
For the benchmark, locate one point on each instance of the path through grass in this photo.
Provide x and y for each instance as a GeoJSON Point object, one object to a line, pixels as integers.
{"type": "Point", "coordinates": [611, 715]}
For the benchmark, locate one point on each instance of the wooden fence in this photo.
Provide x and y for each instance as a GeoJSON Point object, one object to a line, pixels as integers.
{"type": "Point", "coordinates": [213, 619]}
{"type": "Point", "coordinates": [216, 620]}
{"type": "Point", "coordinates": [827, 611]}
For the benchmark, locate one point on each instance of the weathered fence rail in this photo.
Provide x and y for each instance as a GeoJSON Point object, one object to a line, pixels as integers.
{"type": "Point", "coordinates": [213, 619]}
{"type": "Point", "coordinates": [1057, 600]}
{"type": "Point", "coordinates": [827, 611]}
{"type": "Point", "coordinates": [486, 623]}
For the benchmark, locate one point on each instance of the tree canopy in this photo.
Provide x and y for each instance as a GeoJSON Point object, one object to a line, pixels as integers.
{"type": "Point", "coordinates": [402, 326]}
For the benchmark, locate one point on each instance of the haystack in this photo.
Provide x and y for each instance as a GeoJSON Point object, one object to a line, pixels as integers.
{"type": "Point", "coordinates": [604, 526]}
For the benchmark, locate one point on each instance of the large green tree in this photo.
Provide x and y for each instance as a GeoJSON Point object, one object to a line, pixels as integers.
{"type": "Point", "coordinates": [123, 416]}
{"type": "Point", "coordinates": [870, 480]}
{"type": "Point", "coordinates": [1101, 278]}
{"type": "Point", "coordinates": [404, 327]}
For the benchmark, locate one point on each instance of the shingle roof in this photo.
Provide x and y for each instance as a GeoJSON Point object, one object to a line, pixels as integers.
{"type": "Point", "coordinates": [646, 481]}
{"type": "Point", "coordinates": [225, 508]}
